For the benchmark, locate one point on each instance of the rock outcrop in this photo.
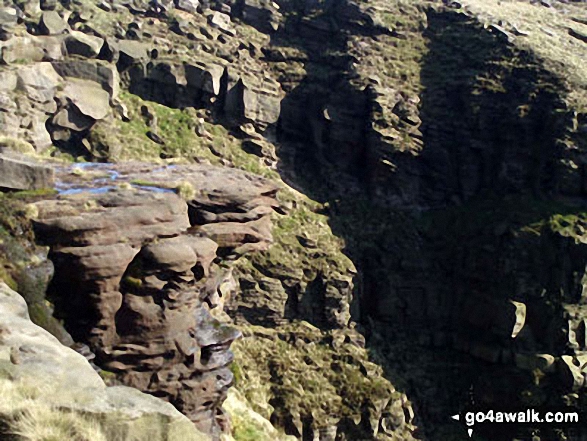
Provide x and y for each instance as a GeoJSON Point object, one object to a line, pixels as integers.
{"type": "Point", "coordinates": [143, 256]}
{"type": "Point", "coordinates": [454, 128]}
{"type": "Point", "coordinates": [140, 258]}
{"type": "Point", "coordinates": [437, 152]}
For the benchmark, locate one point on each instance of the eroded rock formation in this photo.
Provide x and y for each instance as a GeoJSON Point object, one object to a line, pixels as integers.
{"type": "Point", "coordinates": [139, 267]}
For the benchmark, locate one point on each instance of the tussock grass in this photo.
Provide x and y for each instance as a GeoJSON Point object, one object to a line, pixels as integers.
{"type": "Point", "coordinates": [247, 425]}
{"type": "Point", "coordinates": [29, 415]}
{"type": "Point", "coordinates": [306, 379]}
{"type": "Point", "coordinates": [186, 190]}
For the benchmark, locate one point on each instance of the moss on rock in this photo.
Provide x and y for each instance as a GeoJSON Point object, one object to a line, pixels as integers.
{"type": "Point", "coordinates": [23, 265]}
{"type": "Point", "coordinates": [302, 378]}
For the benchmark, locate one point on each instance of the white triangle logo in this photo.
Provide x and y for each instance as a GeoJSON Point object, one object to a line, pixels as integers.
{"type": "Point", "coordinates": [456, 417]}
{"type": "Point", "coordinates": [470, 432]}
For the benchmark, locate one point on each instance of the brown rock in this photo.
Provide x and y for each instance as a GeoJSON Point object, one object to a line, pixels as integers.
{"type": "Point", "coordinates": [135, 274]}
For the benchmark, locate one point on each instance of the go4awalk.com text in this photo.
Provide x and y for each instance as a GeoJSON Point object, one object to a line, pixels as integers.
{"type": "Point", "coordinates": [524, 417]}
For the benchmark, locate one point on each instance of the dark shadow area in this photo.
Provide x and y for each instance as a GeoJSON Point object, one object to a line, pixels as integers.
{"type": "Point", "coordinates": [434, 284]}
{"type": "Point", "coordinates": [74, 310]}
{"type": "Point", "coordinates": [491, 116]}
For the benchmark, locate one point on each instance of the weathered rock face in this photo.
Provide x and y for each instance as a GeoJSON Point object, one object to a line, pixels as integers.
{"type": "Point", "coordinates": [63, 379]}
{"type": "Point", "coordinates": [138, 269]}
{"type": "Point", "coordinates": [55, 105]}
{"type": "Point", "coordinates": [185, 65]}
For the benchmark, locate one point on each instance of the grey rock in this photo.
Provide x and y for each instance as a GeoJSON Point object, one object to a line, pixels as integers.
{"type": "Point", "coordinates": [167, 73]}
{"type": "Point", "coordinates": [530, 362]}
{"type": "Point", "coordinates": [78, 43]}
{"type": "Point", "coordinates": [39, 354]}
{"type": "Point", "coordinates": [88, 97]}
{"type": "Point", "coordinates": [260, 148]}
{"type": "Point", "coordinates": [578, 34]}
{"type": "Point", "coordinates": [52, 24]}
{"type": "Point", "coordinates": [222, 22]}
{"type": "Point", "coordinates": [131, 52]}
{"type": "Point", "coordinates": [72, 119]}
{"type": "Point", "coordinates": [161, 6]}
{"type": "Point", "coordinates": [255, 103]}
{"type": "Point", "coordinates": [8, 81]}
{"type": "Point", "coordinates": [39, 76]}
{"type": "Point", "coordinates": [48, 5]}
{"type": "Point", "coordinates": [39, 81]}
{"type": "Point", "coordinates": [39, 136]}
{"type": "Point", "coordinates": [8, 21]}
{"type": "Point", "coordinates": [570, 374]}
{"type": "Point", "coordinates": [52, 47]}
{"type": "Point", "coordinates": [261, 14]}
{"type": "Point", "coordinates": [102, 73]}
{"type": "Point", "coordinates": [204, 77]}
{"type": "Point", "coordinates": [188, 5]}
{"type": "Point", "coordinates": [20, 173]}
{"type": "Point", "coordinates": [22, 49]}
{"type": "Point", "coordinates": [105, 6]}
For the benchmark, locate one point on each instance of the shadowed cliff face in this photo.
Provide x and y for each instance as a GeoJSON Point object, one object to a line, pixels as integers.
{"type": "Point", "coordinates": [469, 246]}
{"type": "Point", "coordinates": [493, 120]}
{"type": "Point", "coordinates": [136, 280]}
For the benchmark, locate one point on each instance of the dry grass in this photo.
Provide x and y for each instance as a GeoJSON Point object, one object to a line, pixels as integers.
{"type": "Point", "coordinates": [186, 190]}
{"type": "Point", "coordinates": [30, 416]}
{"type": "Point", "coordinates": [46, 424]}
{"type": "Point", "coordinates": [247, 425]}
{"type": "Point", "coordinates": [310, 378]}
{"type": "Point", "coordinates": [28, 411]}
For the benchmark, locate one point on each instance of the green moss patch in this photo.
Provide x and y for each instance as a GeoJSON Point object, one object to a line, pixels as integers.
{"type": "Point", "coordinates": [296, 370]}
{"type": "Point", "coordinates": [22, 264]}
{"type": "Point", "coordinates": [176, 128]}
